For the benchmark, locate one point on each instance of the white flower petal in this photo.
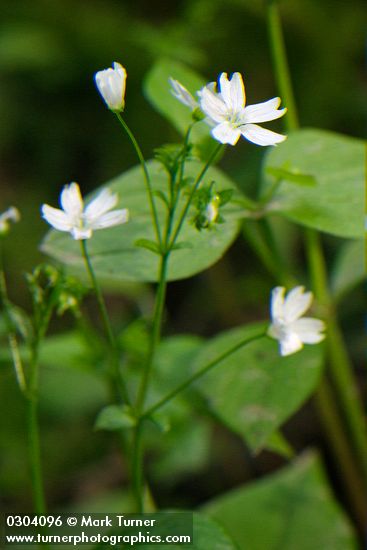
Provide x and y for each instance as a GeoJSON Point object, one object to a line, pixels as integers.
{"type": "Point", "coordinates": [182, 94]}
{"type": "Point", "coordinates": [11, 213]}
{"type": "Point", "coordinates": [296, 304]}
{"type": "Point", "coordinates": [233, 91]}
{"type": "Point", "coordinates": [71, 200]}
{"type": "Point", "coordinates": [103, 202]}
{"type": "Point", "coordinates": [288, 326]}
{"type": "Point", "coordinates": [212, 105]}
{"type": "Point", "coordinates": [290, 344]}
{"type": "Point", "coordinates": [226, 133]}
{"type": "Point", "coordinates": [309, 330]}
{"type": "Point", "coordinates": [111, 218]}
{"type": "Point", "coordinates": [263, 112]}
{"type": "Point", "coordinates": [277, 302]}
{"type": "Point", "coordinates": [57, 218]}
{"type": "Point", "coordinates": [261, 136]}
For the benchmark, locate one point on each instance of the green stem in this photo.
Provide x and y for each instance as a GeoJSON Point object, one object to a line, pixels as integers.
{"type": "Point", "coordinates": [176, 191]}
{"type": "Point", "coordinates": [345, 464]}
{"type": "Point", "coordinates": [166, 247]}
{"type": "Point", "coordinates": [137, 454]}
{"type": "Point", "coordinates": [33, 433]}
{"type": "Point", "coordinates": [201, 373]}
{"type": "Point", "coordinates": [193, 191]}
{"type": "Point", "coordinates": [156, 331]}
{"type": "Point", "coordinates": [280, 62]}
{"type": "Point", "coordinates": [146, 177]}
{"type": "Point", "coordinates": [120, 390]}
{"type": "Point", "coordinates": [340, 369]}
{"type": "Point", "coordinates": [137, 467]}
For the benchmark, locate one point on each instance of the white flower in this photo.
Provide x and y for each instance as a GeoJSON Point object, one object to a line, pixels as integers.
{"type": "Point", "coordinates": [111, 84]}
{"type": "Point", "coordinates": [81, 221]}
{"type": "Point", "coordinates": [226, 111]}
{"type": "Point", "coordinates": [288, 326]}
{"type": "Point", "coordinates": [11, 214]}
{"type": "Point", "coordinates": [183, 95]}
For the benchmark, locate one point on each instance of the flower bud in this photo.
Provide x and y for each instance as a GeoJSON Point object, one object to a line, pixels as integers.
{"type": "Point", "coordinates": [111, 84]}
{"type": "Point", "coordinates": [11, 214]}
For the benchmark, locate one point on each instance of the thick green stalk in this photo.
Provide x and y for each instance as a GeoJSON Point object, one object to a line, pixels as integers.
{"type": "Point", "coordinates": [201, 373]}
{"type": "Point", "coordinates": [33, 433]}
{"type": "Point", "coordinates": [280, 63]}
{"type": "Point", "coordinates": [341, 371]}
{"type": "Point", "coordinates": [120, 390]}
{"type": "Point", "coordinates": [345, 466]}
{"type": "Point", "coordinates": [146, 177]}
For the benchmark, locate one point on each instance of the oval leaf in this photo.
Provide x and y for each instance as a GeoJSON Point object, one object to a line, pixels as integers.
{"type": "Point", "coordinates": [207, 533]}
{"type": "Point", "coordinates": [113, 251]}
{"type": "Point", "coordinates": [292, 509]}
{"type": "Point", "coordinates": [335, 204]}
{"type": "Point", "coordinates": [254, 390]}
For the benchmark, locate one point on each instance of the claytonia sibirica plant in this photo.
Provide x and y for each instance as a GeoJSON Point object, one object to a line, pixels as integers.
{"type": "Point", "coordinates": [111, 84]}
{"type": "Point", "coordinates": [183, 213]}
{"type": "Point", "coordinates": [227, 112]}
{"type": "Point", "coordinates": [80, 220]}
{"type": "Point", "coordinates": [288, 326]}
{"type": "Point", "coordinates": [10, 215]}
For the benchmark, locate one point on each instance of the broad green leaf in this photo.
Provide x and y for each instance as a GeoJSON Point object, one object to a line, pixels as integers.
{"type": "Point", "coordinates": [207, 534]}
{"type": "Point", "coordinates": [278, 444]}
{"type": "Point", "coordinates": [349, 268]}
{"type": "Point", "coordinates": [292, 177]}
{"type": "Point", "coordinates": [70, 383]}
{"type": "Point", "coordinates": [115, 417]}
{"type": "Point", "coordinates": [335, 205]}
{"type": "Point", "coordinates": [113, 251]}
{"type": "Point", "coordinates": [254, 390]}
{"type": "Point", "coordinates": [292, 509]}
{"type": "Point", "coordinates": [158, 91]}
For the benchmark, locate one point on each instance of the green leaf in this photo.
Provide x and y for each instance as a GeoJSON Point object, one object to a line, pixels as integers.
{"type": "Point", "coordinates": [292, 176]}
{"type": "Point", "coordinates": [349, 268]}
{"type": "Point", "coordinates": [113, 252]}
{"type": "Point", "coordinates": [292, 509]}
{"type": "Point", "coordinates": [115, 417]}
{"type": "Point", "coordinates": [71, 385]}
{"type": "Point", "coordinates": [182, 244]}
{"type": "Point", "coordinates": [207, 534]}
{"type": "Point", "coordinates": [158, 91]}
{"type": "Point", "coordinates": [278, 444]}
{"type": "Point", "coordinates": [149, 245]}
{"type": "Point", "coordinates": [335, 204]}
{"type": "Point", "coordinates": [254, 390]}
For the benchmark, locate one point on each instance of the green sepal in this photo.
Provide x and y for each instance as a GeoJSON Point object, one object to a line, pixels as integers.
{"type": "Point", "coordinates": [115, 417]}
{"type": "Point", "coordinates": [149, 245]}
